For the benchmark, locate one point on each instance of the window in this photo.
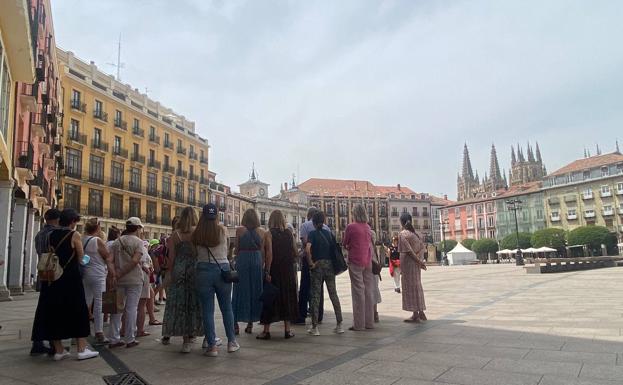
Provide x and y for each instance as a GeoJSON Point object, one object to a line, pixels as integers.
{"type": "Point", "coordinates": [262, 218]}
{"type": "Point", "coordinates": [406, 210]}
{"type": "Point", "coordinates": [135, 179]}
{"type": "Point", "coordinates": [191, 170]}
{"type": "Point", "coordinates": [415, 212]}
{"type": "Point", "coordinates": [202, 197]}
{"type": "Point", "coordinates": [136, 125]}
{"type": "Point", "coordinates": [605, 191]}
{"type": "Point", "coordinates": [97, 138]}
{"type": "Point", "coordinates": [166, 214]}
{"type": "Point", "coordinates": [75, 97]}
{"type": "Point", "coordinates": [490, 221]}
{"type": "Point", "coordinates": [116, 146]}
{"type": "Point", "coordinates": [179, 191]}
{"type": "Point", "coordinates": [151, 184]}
{"type": "Point", "coordinates": [457, 212]}
{"type": "Point", "coordinates": [74, 129]}
{"type": "Point", "coordinates": [116, 175]}
{"type": "Point", "coordinates": [620, 188]}
{"type": "Point", "coordinates": [116, 206]}
{"type": "Point", "coordinates": [179, 166]}
{"type": "Point", "coordinates": [489, 208]}
{"type": "Point", "coordinates": [425, 211]}
{"type": "Point", "coordinates": [179, 143]}
{"type": "Point", "coordinates": [481, 222]}
{"type": "Point", "coordinates": [74, 163]}
{"type": "Point", "coordinates": [608, 210]}
{"type": "Point", "coordinates": [5, 95]}
{"type": "Point", "coordinates": [221, 217]}
{"type": "Point", "coordinates": [99, 109]}
{"type": "Point", "coordinates": [152, 131]}
{"type": "Point", "coordinates": [166, 139]}
{"type": "Point", "coordinates": [166, 161]}
{"type": "Point", "coordinates": [470, 223]}
{"type": "Point", "coordinates": [135, 150]}
{"type": "Point", "coordinates": [192, 149]}
{"type": "Point", "coordinates": [135, 207]}
{"type": "Point", "coordinates": [152, 156]}
{"type": "Point", "coordinates": [118, 118]}
{"type": "Point", "coordinates": [479, 209]}
{"type": "Point", "coordinates": [96, 169]}
{"type": "Point", "coordinates": [151, 212]}
{"type": "Point", "coordinates": [588, 193]}
{"type": "Point", "coordinates": [72, 196]}
{"type": "Point", "coordinates": [605, 171]}
{"type": "Point", "coordinates": [166, 187]}
{"type": "Point", "coordinates": [96, 202]}
{"type": "Point", "coordinates": [586, 175]}
{"type": "Point", "coordinates": [191, 195]}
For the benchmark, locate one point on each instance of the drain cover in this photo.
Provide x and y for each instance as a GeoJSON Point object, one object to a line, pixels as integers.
{"type": "Point", "coordinates": [130, 378]}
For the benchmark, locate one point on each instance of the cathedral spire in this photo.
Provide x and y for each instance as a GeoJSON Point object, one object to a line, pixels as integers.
{"type": "Point", "coordinates": [617, 146]}
{"type": "Point", "coordinates": [468, 173]}
{"type": "Point", "coordinates": [520, 156]}
{"type": "Point", "coordinates": [513, 157]}
{"type": "Point", "coordinates": [538, 153]}
{"type": "Point", "coordinates": [494, 169]}
{"type": "Point", "coordinates": [597, 149]}
{"type": "Point", "coordinates": [530, 153]}
{"type": "Point", "coordinates": [504, 179]}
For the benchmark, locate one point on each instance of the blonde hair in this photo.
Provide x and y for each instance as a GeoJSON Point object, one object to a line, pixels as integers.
{"type": "Point", "coordinates": [91, 225]}
{"type": "Point", "coordinates": [276, 220]}
{"type": "Point", "coordinates": [359, 213]}
{"type": "Point", "coordinates": [188, 220]}
{"type": "Point", "coordinates": [250, 219]}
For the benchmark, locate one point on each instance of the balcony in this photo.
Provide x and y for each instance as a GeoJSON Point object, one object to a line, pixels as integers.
{"type": "Point", "coordinates": [28, 96]}
{"type": "Point", "coordinates": [203, 180]}
{"type": "Point", "coordinates": [192, 155]}
{"type": "Point", "coordinates": [203, 159]}
{"type": "Point", "coordinates": [95, 178]}
{"type": "Point", "coordinates": [182, 174]}
{"type": "Point", "coordinates": [116, 183]}
{"type": "Point", "coordinates": [621, 210]}
{"type": "Point", "coordinates": [343, 213]}
{"type": "Point", "coordinates": [118, 151]}
{"type": "Point", "coordinates": [134, 187]}
{"type": "Point", "coordinates": [572, 217]}
{"type": "Point", "coordinates": [606, 194]}
{"type": "Point", "coordinates": [154, 164]}
{"type": "Point", "coordinates": [168, 145]}
{"type": "Point", "coordinates": [137, 158]}
{"type": "Point", "coordinates": [193, 177]}
{"type": "Point", "coordinates": [73, 172]}
{"type": "Point", "coordinates": [100, 115]}
{"type": "Point", "coordinates": [155, 139]}
{"type": "Point", "coordinates": [620, 190]}
{"type": "Point", "coordinates": [425, 214]}
{"type": "Point", "coordinates": [40, 66]}
{"type": "Point", "coordinates": [415, 213]}
{"type": "Point", "coordinates": [152, 191]}
{"type": "Point", "coordinates": [181, 150]}
{"type": "Point", "coordinates": [78, 106]}
{"type": "Point", "coordinates": [608, 211]}
{"type": "Point", "coordinates": [553, 201]}
{"type": "Point", "coordinates": [166, 195]}
{"type": "Point", "coordinates": [122, 124]}
{"type": "Point", "coordinates": [99, 145]}
{"type": "Point", "coordinates": [191, 201]}
{"type": "Point", "coordinates": [589, 214]}
{"type": "Point", "coordinates": [75, 137]}
{"type": "Point", "coordinates": [395, 214]}
{"type": "Point", "coordinates": [587, 195]}
{"type": "Point", "coordinates": [136, 131]}
{"type": "Point", "coordinates": [179, 197]}
{"type": "Point", "coordinates": [169, 169]}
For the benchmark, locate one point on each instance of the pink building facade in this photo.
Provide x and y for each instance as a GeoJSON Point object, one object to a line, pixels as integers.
{"type": "Point", "coordinates": [473, 219]}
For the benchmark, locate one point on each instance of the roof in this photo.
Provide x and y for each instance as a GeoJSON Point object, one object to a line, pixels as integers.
{"type": "Point", "coordinates": [349, 187]}
{"type": "Point", "coordinates": [521, 189]}
{"type": "Point", "coordinates": [459, 248]}
{"type": "Point", "coordinates": [589, 163]}
{"type": "Point", "coordinates": [437, 201]}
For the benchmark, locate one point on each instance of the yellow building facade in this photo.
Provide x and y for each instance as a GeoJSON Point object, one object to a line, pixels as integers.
{"type": "Point", "coordinates": [125, 154]}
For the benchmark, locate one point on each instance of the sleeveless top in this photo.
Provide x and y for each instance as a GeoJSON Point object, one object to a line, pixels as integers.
{"type": "Point", "coordinates": [219, 252]}
{"type": "Point", "coordinates": [183, 248]}
{"type": "Point", "coordinates": [96, 266]}
{"type": "Point", "coordinates": [250, 240]}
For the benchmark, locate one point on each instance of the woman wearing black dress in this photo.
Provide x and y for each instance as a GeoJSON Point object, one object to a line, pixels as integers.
{"type": "Point", "coordinates": [62, 311]}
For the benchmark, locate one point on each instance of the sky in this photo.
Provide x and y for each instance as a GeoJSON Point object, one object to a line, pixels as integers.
{"type": "Point", "coordinates": [385, 91]}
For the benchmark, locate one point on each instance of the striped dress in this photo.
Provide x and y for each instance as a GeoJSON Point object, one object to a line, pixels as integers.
{"type": "Point", "coordinates": [412, 291]}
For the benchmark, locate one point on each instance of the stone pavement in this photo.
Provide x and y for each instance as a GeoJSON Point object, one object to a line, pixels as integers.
{"type": "Point", "coordinates": [489, 324]}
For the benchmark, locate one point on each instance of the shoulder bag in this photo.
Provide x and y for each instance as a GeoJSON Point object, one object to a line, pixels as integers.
{"type": "Point", "coordinates": [339, 263]}
{"type": "Point", "coordinates": [49, 268]}
{"type": "Point", "coordinates": [229, 276]}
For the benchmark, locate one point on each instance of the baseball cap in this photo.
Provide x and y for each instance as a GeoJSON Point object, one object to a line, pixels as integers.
{"type": "Point", "coordinates": [154, 242]}
{"type": "Point", "coordinates": [210, 211]}
{"type": "Point", "coordinates": [134, 221]}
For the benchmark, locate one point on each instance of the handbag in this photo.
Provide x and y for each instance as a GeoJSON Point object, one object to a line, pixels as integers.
{"type": "Point", "coordinates": [229, 276]}
{"type": "Point", "coordinates": [113, 302]}
{"type": "Point", "coordinates": [376, 265]}
{"type": "Point", "coordinates": [49, 268]}
{"type": "Point", "coordinates": [338, 260]}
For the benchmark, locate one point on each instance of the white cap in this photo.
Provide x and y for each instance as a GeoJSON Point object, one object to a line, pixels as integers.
{"type": "Point", "coordinates": [134, 221]}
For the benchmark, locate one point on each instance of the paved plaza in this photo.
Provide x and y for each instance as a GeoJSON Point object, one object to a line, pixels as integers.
{"type": "Point", "coordinates": [489, 324]}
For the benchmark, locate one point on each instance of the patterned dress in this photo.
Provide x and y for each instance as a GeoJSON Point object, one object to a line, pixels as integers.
{"type": "Point", "coordinates": [246, 297]}
{"type": "Point", "coordinates": [412, 291]}
{"type": "Point", "coordinates": [182, 315]}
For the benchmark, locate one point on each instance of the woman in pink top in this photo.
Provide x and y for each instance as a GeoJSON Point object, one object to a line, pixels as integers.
{"type": "Point", "coordinates": [357, 241]}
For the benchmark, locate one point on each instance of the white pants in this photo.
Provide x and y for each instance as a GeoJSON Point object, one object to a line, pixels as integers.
{"type": "Point", "coordinates": [396, 278]}
{"type": "Point", "coordinates": [94, 286]}
{"type": "Point", "coordinates": [132, 295]}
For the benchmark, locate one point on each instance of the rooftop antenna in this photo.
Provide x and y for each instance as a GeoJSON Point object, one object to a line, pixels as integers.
{"type": "Point", "coordinates": [119, 65]}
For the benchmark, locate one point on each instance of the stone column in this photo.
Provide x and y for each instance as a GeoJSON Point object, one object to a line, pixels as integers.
{"type": "Point", "coordinates": [6, 193]}
{"type": "Point", "coordinates": [18, 235]}
{"type": "Point", "coordinates": [30, 258]}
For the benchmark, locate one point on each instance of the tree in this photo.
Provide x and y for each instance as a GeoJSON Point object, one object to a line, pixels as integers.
{"type": "Point", "coordinates": [448, 245]}
{"type": "Point", "coordinates": [485, 247]}
{"type": "Point", "coordinates": [510, 241]}
{"type": "Point", "coordinates": [551, 237]}
{"type": "Point", "coordinates": [593, 237]}
{"type": "Point", "coordinates": [468, 243]}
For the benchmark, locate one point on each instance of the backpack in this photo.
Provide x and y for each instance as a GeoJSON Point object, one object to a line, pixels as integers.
{"type": "Point", "coordinates": [49, 268]}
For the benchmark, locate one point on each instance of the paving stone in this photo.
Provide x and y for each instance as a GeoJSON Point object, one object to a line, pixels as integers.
{"type": "Point", "coordinates": [534, 367]}
{"type": "Point", "coordinates": [467, 376]}
{"type": "Point", "coordinates": [489, 351]}
{"type": "Point", "coordinates": [558, 380]}
{"type": "Point", "coordinates": [604, 372]}
{"type": "Point", "coordinates": [405, 369]}
{"type": "Point", "coordinates": [447, 359]}
{"type": "Point", "coordinates": [562, 356]}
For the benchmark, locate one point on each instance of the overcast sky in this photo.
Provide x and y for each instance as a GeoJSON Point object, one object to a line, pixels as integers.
{"type": "Point", "coordinates": [386, 91]}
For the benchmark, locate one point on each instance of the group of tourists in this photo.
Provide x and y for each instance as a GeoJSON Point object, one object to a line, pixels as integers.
{"type": "Point", "coordinates": [254, 279]}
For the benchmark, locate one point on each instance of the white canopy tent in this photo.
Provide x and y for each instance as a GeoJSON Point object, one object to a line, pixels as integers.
{"type": "Point", "coordinates": [461, 255]}
{"type": "Point", "coordinates": [546, 249]}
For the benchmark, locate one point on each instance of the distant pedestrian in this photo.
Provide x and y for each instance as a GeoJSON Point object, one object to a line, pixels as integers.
{"type": "Point", "coordinates": [283, 276]}
{"type": "Point", "coordinates": [210, 238]}
{"type": "Point", "coordinates": [394, 263]}
{"type": "Point", "coordinates": [320, 253]}
{"type": "Point", "coordinates": [305, 283]}
{"type": "Point", "coordinates": [358, 242]}
{"type": "Point", "coordinates": [411, 247]}
{"type": "Point", "coordinates": [62, 312]}
{"type": "Point", "coordinates": [99, 269]}
{"type": "Point", "coordinates": [251, 248]}
{"type": "Point", "coordinates": [182, 314]}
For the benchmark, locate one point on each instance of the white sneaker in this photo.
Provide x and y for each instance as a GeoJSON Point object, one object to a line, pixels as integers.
{"type": "Point", "coordinates": [232, 347]}
{"type": "Point", "coordinates": [187, 347]}
{"type": "Point", "coordinates": [314, 331]}
{"type": "Point", "coordinates": [338, 329]}
{"type": "Point", "coordinates": [61, 356]}
{"type": "Point", "coordinates": [217, 342]}
{"type": "Point", "coordinates": [86, 354]}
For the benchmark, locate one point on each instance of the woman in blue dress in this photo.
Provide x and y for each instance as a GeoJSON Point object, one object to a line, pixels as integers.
{"type": "Point", "coordinates": [254, 250]}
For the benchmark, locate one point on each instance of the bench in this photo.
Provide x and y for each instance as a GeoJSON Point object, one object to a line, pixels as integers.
{"type": "Point", "coordinates": [559, 265]}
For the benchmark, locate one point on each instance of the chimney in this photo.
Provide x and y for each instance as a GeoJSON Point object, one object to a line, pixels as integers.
{"type": "Point", "coordinates": [398, 186]}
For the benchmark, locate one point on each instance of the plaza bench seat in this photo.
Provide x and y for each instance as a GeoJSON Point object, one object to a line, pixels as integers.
{"type": "Point", "coordinates": [559, 265]}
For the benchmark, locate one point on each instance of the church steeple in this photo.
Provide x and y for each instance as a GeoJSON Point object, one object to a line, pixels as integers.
{"type": "Point", "coordinates": [538, 153]}
{"type": "Point", "coordinates": [494, 170]}
{"type": "Point", "coordinates": [253, 175]}
{"type": "Point", "coordinates": [530, 154]}
{"type": "Point", "coordinates": [513, 157]}
{"type": "Point", "coordinates": [468, 173]}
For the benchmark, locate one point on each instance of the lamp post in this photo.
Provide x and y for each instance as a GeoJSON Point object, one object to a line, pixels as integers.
{"type": "Point", "coordinates": [443, 223]}
{"type": "Point", "coordinates": [514, 205]}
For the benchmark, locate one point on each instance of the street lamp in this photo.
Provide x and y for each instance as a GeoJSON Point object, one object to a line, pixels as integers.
{"type": "Point", "coordinates": [443, 222]}
{"type": "Point", "coordinates": [514, 205]}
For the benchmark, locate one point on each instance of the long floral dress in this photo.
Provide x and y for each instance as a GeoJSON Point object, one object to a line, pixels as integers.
{"type": "Point", "coordinates": [412, 291]}
{"type": "Point", "coordinates": [182, 314]}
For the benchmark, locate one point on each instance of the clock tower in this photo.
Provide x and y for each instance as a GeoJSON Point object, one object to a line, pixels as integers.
{"type": "Point", "coordinates": [254, 188]}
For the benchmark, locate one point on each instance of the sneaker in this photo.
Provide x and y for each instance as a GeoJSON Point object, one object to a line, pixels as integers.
{"type": "Point", "coordinates": [165, 340]}
{"type": "Point", "coordinates": [62, 356]}
{"type": "Point", "coordinates": [232, 347]}
{"type": "Point", "coordinates": [187, 347]}
{"type": "Point", "coordinates": [86, 354]}
{"type": "Point", "coordinates": [338, 329]}
{"type": "Point", "coordinates": [217, 342]}
{"type": "Point", "coordinates": [211, 352]}
{"type": "Point", "coordinates": [101, 340]}
{"type": "Point", "coordinates": [314, 331]}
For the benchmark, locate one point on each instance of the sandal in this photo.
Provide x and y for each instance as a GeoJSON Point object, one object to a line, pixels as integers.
{"type": "Point", "coordinates": [236, 329]}
{"type": "Point", "coordinates": [154, 323]}
{"type": "Point", "coordinates": [143, 334]}
{"type": "Point", "coordinates": [412, 320]}
{"type": "Point", "coordinates": [132, 344]}
{"type": "Point", "coordinates": [423, 316]}
{"type": "Point", "coordinates": [263, 336]}
{"type": "Point", "coordinates": [248, 329]}
{"type": "Point", "coordinates": [288, 334]}
{"type": "Point", "coordinates": [116, 345]}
